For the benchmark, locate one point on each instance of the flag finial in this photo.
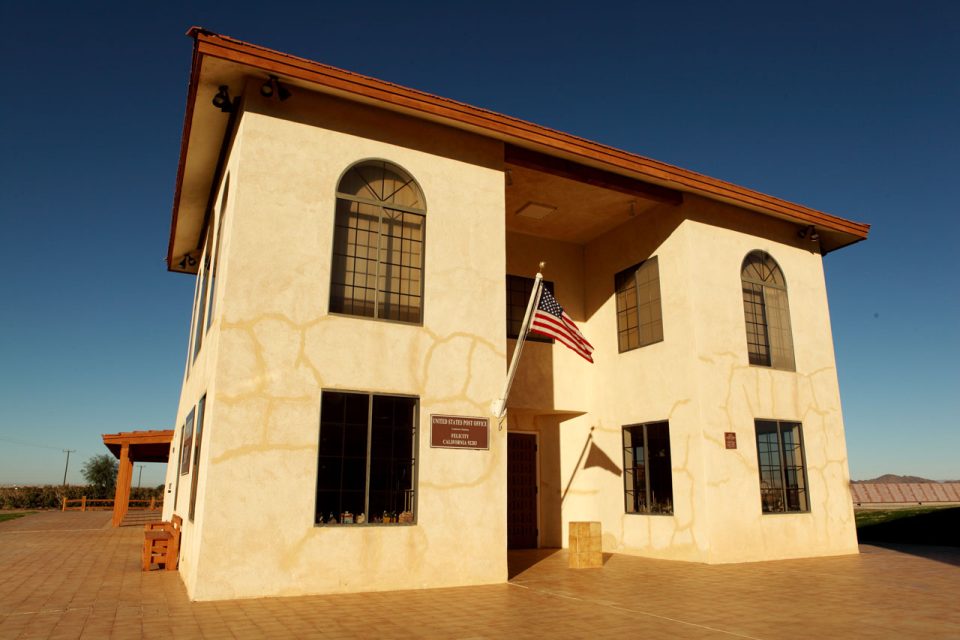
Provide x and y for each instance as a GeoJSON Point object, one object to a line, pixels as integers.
{"type": "Point", "coordinates": [542, 265]}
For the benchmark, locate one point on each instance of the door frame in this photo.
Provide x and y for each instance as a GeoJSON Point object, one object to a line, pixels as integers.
{"type": "Point", "coordinates": [536, 436]}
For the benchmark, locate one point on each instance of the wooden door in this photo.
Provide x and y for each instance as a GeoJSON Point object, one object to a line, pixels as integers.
{"type": "Point", "coordinates": [521, 491]}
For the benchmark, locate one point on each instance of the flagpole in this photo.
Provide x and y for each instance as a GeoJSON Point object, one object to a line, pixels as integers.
{"type": "Point", "coordinates": [499, 407]}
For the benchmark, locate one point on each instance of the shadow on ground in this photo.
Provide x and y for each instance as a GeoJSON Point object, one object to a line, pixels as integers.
{"type": "Point", "coordinates": [947, 555]}
{"type": "Point", "coordinates": [519, 560]}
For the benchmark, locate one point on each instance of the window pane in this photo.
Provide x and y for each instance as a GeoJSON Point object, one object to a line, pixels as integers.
{"type": "Point", "coordinates": [345, 461]}
{"type": "Point", "coordinates": [196, 456]}
{"type": "Point", "coordinates": [186, 445]}
{"type": "Point", "coordinates": [635, 474]}
{"type": "Point", "coordinates": [794, 475]}
{"type": "Point", "coordinates": [519, 289]}
{"type": "Point", "coordinates": [391, 461]}
{"type": "Point", "coordinates": [378, 254]}
{"type": "Point", "coordinates": [329, 473]}
{"type": "Point", "coordinates": [661, 474]}
{"type": "Point", "coordinates": [766, 312]}
{"type": "Point", "coordinates": [202, 299]}
{"type": "Point", "coordinates": [353, 274]}
{"type": "Point", "coordinates": [758, 345]}
{"type": "Point", "coordinates": [639, 311]}
{"type": "Point", "coordinates": [342, 454]}
{"type": "Point", "coordinates": [217, 258]}
{"type": "Point", "coordinates": [783, 482]}
{"type": "Point", "coordinates": [778, 325]}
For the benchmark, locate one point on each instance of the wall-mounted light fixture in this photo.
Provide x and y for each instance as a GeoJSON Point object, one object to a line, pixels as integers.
{"type": "Point", "coordinates": [809, 233]}
{"type": "Point", "coordinates": [222, 99]}
{"type": "Point", "coordinates": [187, 261]}
{"type": "Point", "coordinates": [272, 87]}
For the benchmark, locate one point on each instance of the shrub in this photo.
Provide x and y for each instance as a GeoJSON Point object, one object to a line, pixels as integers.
{"type": "Point", "coordinates": [51, 496]}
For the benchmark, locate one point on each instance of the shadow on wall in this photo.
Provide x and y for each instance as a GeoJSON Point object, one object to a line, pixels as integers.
{"type": "Point", "coordinates": [595, 457]}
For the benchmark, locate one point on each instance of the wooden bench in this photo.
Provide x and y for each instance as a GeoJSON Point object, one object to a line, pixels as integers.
{"type": "Point", "coordinates": [161, 544]}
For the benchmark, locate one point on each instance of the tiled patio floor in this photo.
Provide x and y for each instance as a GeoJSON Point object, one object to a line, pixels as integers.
{"type": "Point", "coordinates": [68, 575]}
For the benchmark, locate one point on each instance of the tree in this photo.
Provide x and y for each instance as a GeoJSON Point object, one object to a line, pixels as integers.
{"type": "Point", "coordinates": [101, 472]}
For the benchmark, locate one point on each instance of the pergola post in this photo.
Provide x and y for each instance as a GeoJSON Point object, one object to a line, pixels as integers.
{"type": "Point", "coordinates": [130, 447]}
{"type": "Point", "coordinates": [121, 500]}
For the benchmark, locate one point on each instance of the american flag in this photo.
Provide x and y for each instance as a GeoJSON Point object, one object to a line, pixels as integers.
{"type": "Point", "coordinates": [552, 321]}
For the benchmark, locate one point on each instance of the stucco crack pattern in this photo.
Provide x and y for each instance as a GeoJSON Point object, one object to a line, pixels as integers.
{"type": "Point", "coordinates": [275, 364]}
{"type": "Point", "coordinates": [807, 397]}
{"type": "Point", "coordinates": [684, 518]}
{"type": "Point", "coordinates": [423, 376]}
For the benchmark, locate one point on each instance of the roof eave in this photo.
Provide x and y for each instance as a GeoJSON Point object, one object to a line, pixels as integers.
{"type": "Point", "coordinates": [512, 130]}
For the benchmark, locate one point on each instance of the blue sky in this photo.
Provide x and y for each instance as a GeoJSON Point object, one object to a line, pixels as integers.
{"type": "Point", "coordinates": [850, 108]}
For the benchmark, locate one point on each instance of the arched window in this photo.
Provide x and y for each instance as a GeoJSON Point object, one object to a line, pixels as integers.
{"type": "Point", "coordinates": [767, 312]}
{"type": "Point", "coordinates": [378, 244]}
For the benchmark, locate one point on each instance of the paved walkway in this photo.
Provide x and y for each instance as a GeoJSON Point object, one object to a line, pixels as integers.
{"type": "Point", "coordinates": [68, 575]}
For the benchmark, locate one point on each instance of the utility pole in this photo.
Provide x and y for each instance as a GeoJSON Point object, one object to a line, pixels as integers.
{"type": "Point", "coordinates": [67, 466]}
{"type": "Point", "coordinates": [140, 475]}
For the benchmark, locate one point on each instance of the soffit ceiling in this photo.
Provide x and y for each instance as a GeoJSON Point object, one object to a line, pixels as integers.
{"type": "Point", "coordinates": [582, 211]}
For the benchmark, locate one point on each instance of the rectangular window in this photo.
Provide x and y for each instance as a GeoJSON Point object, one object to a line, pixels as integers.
{"type": "Point", "coordinates": [519, 289]}
{"type": "Point", "coordinates": [202, 296]}
{"type": "Point", "coordinates": [377, 262]}
{"type": "Point", "coordinates": [639, 316]}
{"type": "Point", "coordinates": [196, 456]}
{"type": "Point", "coordinates": [190, 325]}
{"type": "Point", "coordinates": [758, 343]}
{"type": "Point", "coordinates": [783, 473]}
{"type": "Point", "coordinates": [215, 260]}
{"type": "Point", "coordinates": [186, 443]}
{"type": "Point", "coordinates": [366, 459]}
{"type": "Point", "coordinates": [176, 493]}
{"type": "Point", "coordinates": [647, 474]}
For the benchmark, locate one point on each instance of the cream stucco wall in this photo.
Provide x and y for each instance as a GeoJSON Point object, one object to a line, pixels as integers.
{"type": "Point", "coordinates": [698, 378]}
{"type": "Point", "coordinates": [273, 348]}
{"type": "Point", "coordinates": [733, 394]}
{"type": "Point", "coordinates": [277, 348]}
{"type": "Point", "coordinates": [199, 380]}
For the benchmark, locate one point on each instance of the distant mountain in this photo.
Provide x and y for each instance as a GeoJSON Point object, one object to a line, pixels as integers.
{"type": "Point", "coordinates": [890, 477]}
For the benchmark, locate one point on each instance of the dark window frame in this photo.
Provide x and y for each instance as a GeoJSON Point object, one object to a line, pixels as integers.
{"type": "Point", "coordinates": [645, 505]}
{"type": "Point", "coordinates": [769, 338]}
{"type": "Point", "coordinates": [522, 287]}
{"type": "Point", "coordinates": [176, 492]}
{"type": "Point", "coordinates": [195, 467]}
{"type": "Point", "coordinates": [215, 259]}
{"type": "Point", "coordinates": [202, 273]}
{"type": "Point", "coordinates": [628, 282]}
{"type": "Point", "coordinates": [781, 500]}
{"type": "Point", "coordinates": [371, 397]}
{"type": "Point", "coordinates": [347, 223]}
{"type": "Point", "coordinates": [186, 443]}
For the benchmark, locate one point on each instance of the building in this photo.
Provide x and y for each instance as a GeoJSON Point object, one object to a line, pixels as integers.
{"type": "Point", "coordinates": [363, 252]}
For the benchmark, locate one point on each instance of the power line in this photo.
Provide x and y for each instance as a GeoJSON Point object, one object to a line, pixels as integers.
{"type": "Point", "coordinates": [31, 444]}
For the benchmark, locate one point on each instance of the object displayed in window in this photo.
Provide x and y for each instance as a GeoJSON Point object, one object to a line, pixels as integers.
{"type": "Point", "coordinates": [639, 315]}
{"type": "Point", "coordinates": [378, 244]}
{"type": "Point", "coordinates": [767, 312]}
{"type": "Point", "coordinates": [647, 474]}
{"type": "Point", "coordinates": [195, 476]}
{"type": "Point", "coordinates": [367, 453]}
{"type": "Point", "coordinates": [519, 289]}
{"type": "Point", "coordinates": [186, 444]}
{"type": "Point", "coordinates": [783, 473]}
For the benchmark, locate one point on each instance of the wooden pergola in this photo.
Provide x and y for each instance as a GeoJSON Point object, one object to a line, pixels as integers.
{"type": "Point", "coordinates": [130, 447]}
